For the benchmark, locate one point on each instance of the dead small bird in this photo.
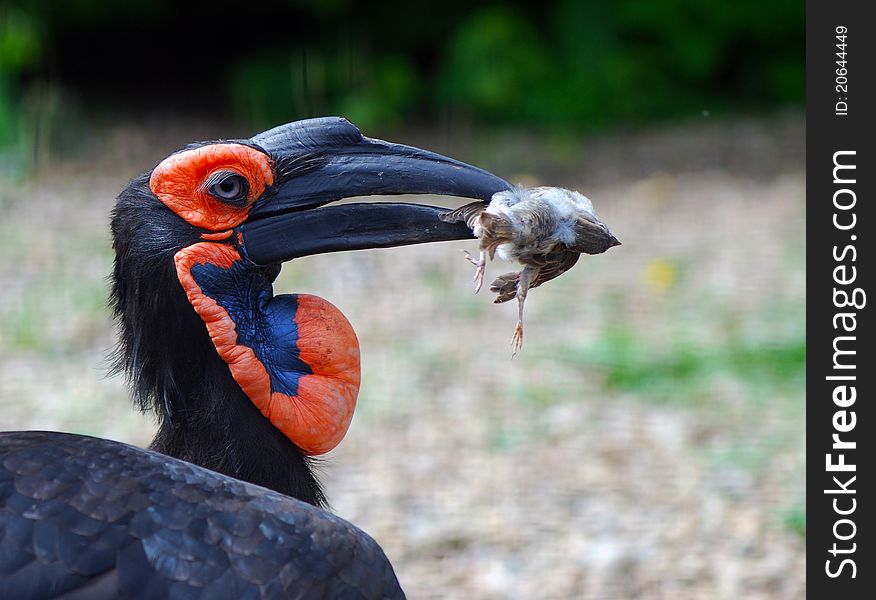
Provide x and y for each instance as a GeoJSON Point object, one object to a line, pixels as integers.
{"type": "Point", "coordinates": [546, 229]}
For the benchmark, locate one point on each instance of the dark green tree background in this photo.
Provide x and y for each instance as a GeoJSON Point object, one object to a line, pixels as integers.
{"type": "Point", "coordinates": [563, 65]}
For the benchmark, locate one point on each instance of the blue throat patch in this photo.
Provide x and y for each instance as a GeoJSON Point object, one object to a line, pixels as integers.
{"type": "Point", "coordinates": [265, 323]}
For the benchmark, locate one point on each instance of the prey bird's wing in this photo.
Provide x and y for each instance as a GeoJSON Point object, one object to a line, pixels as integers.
{"type": "Point", "coordinates": [469, 213]}
{"type": "Point", "coordinates": [547, 267]}
{"type": "Point", "coordinates": [557, 262]}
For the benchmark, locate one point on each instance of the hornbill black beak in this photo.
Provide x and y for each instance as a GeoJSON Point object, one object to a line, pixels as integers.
{"type": "Point", "coordinates": [323, 160]}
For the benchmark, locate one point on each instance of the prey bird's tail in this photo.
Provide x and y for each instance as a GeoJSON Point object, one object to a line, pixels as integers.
{"type": "Point", "coordinates": [505, 287]}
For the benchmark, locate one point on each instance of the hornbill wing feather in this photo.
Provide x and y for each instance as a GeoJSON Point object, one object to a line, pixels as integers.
{"type": "Point", "coordinates": [85, 517]}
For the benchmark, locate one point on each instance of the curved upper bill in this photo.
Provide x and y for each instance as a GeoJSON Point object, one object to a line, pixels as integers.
{"type": "Point", "coordinates": [323, 160]}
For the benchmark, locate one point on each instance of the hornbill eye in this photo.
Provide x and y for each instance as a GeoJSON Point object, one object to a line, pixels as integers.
{"type": "Point", "coordinates": [229, 187]}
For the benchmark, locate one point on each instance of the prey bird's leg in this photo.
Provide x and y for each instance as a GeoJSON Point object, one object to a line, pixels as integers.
{"type": "Point", "coordinates": [481, 264]}
{"type": "Point", "coordinates": [526, 276]}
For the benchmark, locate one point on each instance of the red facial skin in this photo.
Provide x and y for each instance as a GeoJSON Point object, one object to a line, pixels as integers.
{"type": "Point", "coordinates": [179, 181]}
{"type": "Point", "coordinates": [317, 418]}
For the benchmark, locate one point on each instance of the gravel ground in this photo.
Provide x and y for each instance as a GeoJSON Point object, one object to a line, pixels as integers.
{"type": "Point", "coordinates": [564, 473]}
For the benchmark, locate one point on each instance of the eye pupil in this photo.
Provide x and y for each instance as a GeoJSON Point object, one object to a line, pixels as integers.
{"type": "Point", "coordinates": [229, 187]}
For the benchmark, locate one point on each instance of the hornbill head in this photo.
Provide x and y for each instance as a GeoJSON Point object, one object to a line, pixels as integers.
{"type": "Point", "coordinates": [199, 241]}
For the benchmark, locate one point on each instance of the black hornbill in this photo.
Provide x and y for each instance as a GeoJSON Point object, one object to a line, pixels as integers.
{"type": "Point", "coordinates": [246, 386]}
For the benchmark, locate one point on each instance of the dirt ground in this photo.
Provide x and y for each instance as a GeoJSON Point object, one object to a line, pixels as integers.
{"type": "Point", "coordinates": [646, 443]}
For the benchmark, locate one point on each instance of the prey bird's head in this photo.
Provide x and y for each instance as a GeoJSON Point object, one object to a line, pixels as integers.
{"type": "Point", "coordinates": [199, 240]}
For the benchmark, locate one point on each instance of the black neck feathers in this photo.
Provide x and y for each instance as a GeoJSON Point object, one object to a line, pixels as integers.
{"type": "Point", "coordinates": [172, 366]}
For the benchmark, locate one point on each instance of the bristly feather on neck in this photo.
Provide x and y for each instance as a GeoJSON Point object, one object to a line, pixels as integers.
{"type": "Point", "coordinates": [172, 367]}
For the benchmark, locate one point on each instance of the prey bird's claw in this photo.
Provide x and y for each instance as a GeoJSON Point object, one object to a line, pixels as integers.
{"type": "Point", "coordinates": [481, 265]}
{"type": "Point", "coordinates": [517, 340]}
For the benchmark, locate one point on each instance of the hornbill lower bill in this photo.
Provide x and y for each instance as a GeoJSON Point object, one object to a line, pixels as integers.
{"type": "Point", "coordinates": [247, 386]}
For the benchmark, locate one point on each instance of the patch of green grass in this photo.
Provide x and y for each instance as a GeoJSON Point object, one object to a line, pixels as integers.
{"type": "Point", "coordinates": [471, 308]}
{"type": "Point", "coordinates": [753, 454]}
{"type": "Point", "coordinates": [741, 375]}
{"type": "Point", "coordinates": [438, 282]}
{"type": "Point", "coordinates": [432, 362]}
{"type": "Point", "coordinates": [794, 518]}
{"type": "Point", "coordinates": [39, 319]}
{"type": "Point", "coordinates": [539, 395]}
{"type": "Point", "coordinates": [503, 438]}
{"type": "Point", "coordinates": [675, 368]}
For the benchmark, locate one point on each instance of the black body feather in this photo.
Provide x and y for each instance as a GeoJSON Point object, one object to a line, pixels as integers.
{"type": "Point", "coordinates": [84, 518]}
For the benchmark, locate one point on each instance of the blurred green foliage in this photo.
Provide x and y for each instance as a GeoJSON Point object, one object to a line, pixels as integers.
{"type": "Point", "coordinates": [19, 50]}
{"type": "Point", "coordinates": [669, 372]}
{"type": "Point", "coordinates": [565, 64]}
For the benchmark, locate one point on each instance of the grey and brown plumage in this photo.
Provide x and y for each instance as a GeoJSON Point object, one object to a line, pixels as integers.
{"type": "Point", "coordinates": [545, 229]}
